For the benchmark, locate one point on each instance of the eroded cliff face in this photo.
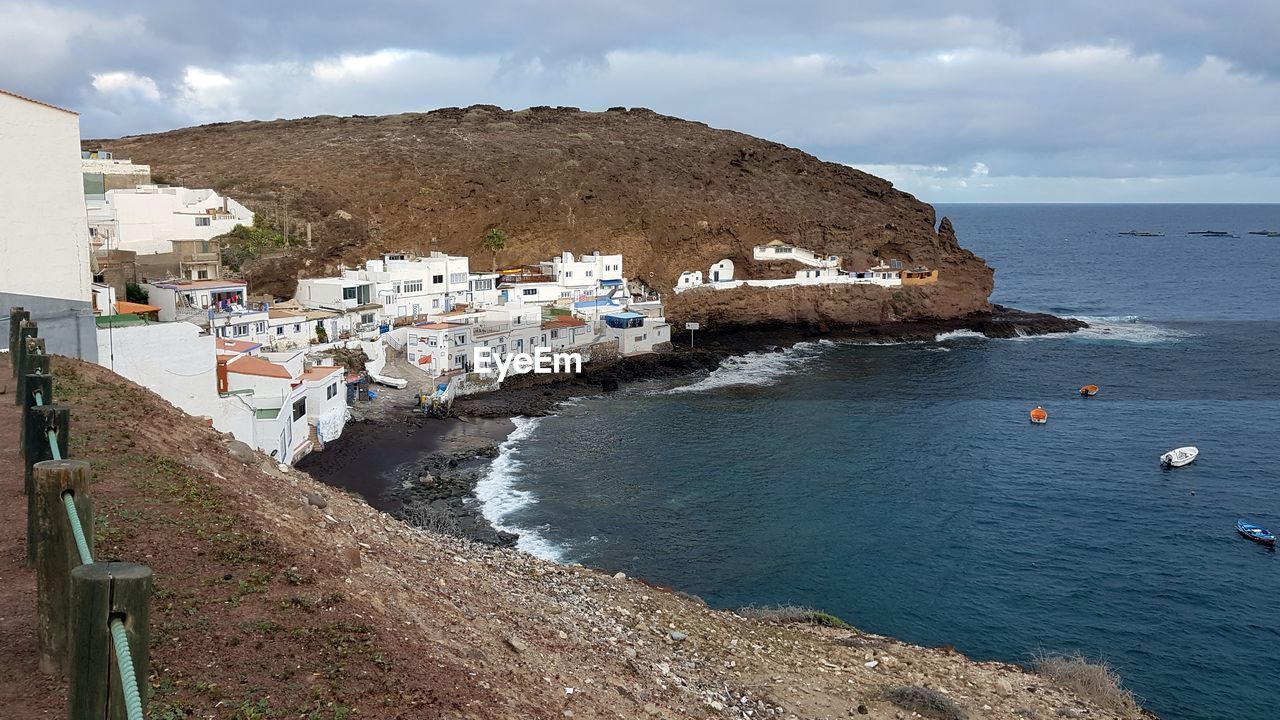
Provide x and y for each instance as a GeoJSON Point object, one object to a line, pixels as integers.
{"type": "Point", "coordinates": [670, 194]}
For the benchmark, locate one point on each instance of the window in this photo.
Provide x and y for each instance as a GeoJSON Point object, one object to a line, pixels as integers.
{"type": "Point", "coordinates": [202, 274]}
{"type": "Point", "coordinates": [437, 279]}
{"type": "Point", "coordinates": [330, 391]}
{"type": "Point", "coordinates": [531, 291]}
{"type": "Point", "coordinates": [280, 330]}
{"type": "Point", "coordinates": [299, 408]}
{"type": "Point", "coordinates": [241, 330]}
{"type": "Point", "coordinates": [412, 286]}
{"type": "Point", "coordinates": [481, 284]}
{"type": "Point", "coordinates": [435, 303]}
{"type": "Point", "coordinates": [555, 334]}
{"type": "Point", "coordinates": [297, 327]}
{"type": "Point", "coordinates": [260, 327]}
{"type": "Point", "coordinates": [395, 288]}
{"type": "Point", "coordinates": [457, 277]}
{"type": "Point", "coordinates": [203, 222]}
{"type": "Point", "coordinates": [590, 273]}
{"type": "Point", "coordinates": [348, 293]}
{"type": "Point", "coordinates": [366, 318]}
{"type": "Point", "coordinates": [568, 273]}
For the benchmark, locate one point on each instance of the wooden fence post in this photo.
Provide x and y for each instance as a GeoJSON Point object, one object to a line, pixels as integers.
{"type": "Point", "coordinates": [16, 316]}
{"type": "Point", "coordinates": [99, 592]}
{"type": "Point", "coordinates": [26, 329]}
{"type": "Point", "coordinates": [36, 449]}
{"type": "Point", "coordinates": [39, 380]}
{"type": "Point", "coordinates": [33, 358]}
{"type": "Point", "coordinates": [57, 553]}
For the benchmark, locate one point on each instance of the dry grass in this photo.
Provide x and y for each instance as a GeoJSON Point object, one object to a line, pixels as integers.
{"type": "Point", "coordinates": [1093, 681]}
{"type": "Point", "coordinates": [927, 702]}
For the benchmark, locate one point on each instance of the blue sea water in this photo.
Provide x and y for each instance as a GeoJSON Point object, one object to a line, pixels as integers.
{"type": "Point", "coordinates": [902, 488]}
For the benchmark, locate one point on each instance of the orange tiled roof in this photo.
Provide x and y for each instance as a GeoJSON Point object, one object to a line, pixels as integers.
{"type": "Point", "coordinates": [250, 365]}
{"type": "Point", "coordinates": [236, 346]}
{"type": "Point", "coordinates": [124, 307]}
{"type": "Point", "coordinates": [563, 322]}
{"type": "Point", "coordinates": [321, 373]}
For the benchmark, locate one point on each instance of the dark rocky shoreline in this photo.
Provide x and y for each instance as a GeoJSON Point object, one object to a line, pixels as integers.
{"type": "Point", "coordinates": [536, 395]}
{"type": "Point", "coordinates": [436, 489]}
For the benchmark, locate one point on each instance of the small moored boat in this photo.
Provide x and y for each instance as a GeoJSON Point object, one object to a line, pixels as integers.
{"type": "Point", "coordinates": [1088, 391]}
{"type": "Point", "coordinates": [1039, 416]}
{"type": "Point", "coordinates": [1256, 533]}
{"type": "Point", "coordinates": [1179, 457]}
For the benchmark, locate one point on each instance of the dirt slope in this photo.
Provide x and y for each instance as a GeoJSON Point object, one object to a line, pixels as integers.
{"type": "Point", "coordinates": [672, 195]}
{"type": "Point", "coordinates": [269, 606]}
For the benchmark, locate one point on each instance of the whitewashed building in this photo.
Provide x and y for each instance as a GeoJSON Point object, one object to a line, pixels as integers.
{"type": "Point", "coordinates": [410, 286]}
{"type": "Point", "coordinates": [438, 348]}
{"type": "Point", "coordinates": [102, 171]}
{"type": "Point", "coordinates": [44, 240]}
{"type": "Point", "coordinates": [147, 218]}
{"type": "Point", "coordinates": [636, 332]}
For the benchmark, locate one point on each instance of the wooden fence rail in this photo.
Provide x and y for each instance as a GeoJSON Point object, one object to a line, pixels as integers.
{"type": "Point", "coordinates": [92, 618]}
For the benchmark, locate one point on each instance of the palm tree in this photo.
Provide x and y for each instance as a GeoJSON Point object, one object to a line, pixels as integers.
{"type": "Point", "coordinates": [494, 241]}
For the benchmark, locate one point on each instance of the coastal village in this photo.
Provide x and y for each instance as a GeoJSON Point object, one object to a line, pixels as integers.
{"type": "Point", "coordinates": [126, 277]}
{"type": "Point", "coordinates": [162, 309]}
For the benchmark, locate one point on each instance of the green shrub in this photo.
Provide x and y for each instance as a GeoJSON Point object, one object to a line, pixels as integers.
{"type": "Point", "coordinates": [793, 614]}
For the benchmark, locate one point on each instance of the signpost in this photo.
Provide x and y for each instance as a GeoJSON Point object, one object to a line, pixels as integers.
{"type": "Point", "coordinates": [691, 327]}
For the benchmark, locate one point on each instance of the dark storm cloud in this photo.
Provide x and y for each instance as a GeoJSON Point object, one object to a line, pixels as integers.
{"type": "Point", "coordinates": [1028, 93]}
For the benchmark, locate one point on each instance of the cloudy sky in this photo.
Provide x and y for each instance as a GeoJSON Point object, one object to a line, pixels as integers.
{"type": "Point", "coordinates": [953, 100]}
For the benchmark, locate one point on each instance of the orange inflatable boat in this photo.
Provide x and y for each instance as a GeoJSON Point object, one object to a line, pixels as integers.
{"type": "Point", "coordinates": [1039, 416]}
{"type": "Point", "coordinates": [1088, 391]}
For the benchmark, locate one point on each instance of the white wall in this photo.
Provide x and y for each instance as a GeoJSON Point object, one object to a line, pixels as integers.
{"type": "Point", "coordinates": [145, 219]}
{"type": "Point", "coordinates": [173, 360]}
{"type": "Point", "coordinates": [44, 239]}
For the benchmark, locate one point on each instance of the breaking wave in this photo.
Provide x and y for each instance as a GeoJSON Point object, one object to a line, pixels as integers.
{"type": "Point", "coordinates": [756, 368]}
{"type": "Point", "coordinates": [960, 335]}
{"type": "Point", "coordinates": [1117, 328]}
{"type": "Point", "coordinates": [499, 497]}
{"type": "Point", "coordinates": [1124, 328]}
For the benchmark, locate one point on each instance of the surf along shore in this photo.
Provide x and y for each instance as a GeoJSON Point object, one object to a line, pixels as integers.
{"type": "Point", "coordinates": [425, 470]}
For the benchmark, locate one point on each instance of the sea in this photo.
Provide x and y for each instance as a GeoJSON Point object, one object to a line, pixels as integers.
{"type": "Point", "coordinates": [902, 488]}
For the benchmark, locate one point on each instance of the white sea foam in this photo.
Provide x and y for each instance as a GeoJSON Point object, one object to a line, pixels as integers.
{"type": "Point", "coordinates": [960, 335]}
{"type": "Point", "coordinates": [1121, 328]}
{"type": "Point", "coordinates": [757, 368]}
{"type": "Point", "coordinates": [499, 497]}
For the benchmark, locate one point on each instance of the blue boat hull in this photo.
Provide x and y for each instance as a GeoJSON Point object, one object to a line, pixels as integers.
{"type": "Point", "coordinates": [1260, 535]}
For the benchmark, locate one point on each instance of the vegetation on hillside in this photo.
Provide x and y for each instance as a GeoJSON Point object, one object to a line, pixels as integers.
{"type": "Point", "coordinates": [244, 244]}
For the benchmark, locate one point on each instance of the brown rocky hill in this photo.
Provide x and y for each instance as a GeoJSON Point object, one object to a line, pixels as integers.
{"type": "Point", "coordinates": [670, 194]}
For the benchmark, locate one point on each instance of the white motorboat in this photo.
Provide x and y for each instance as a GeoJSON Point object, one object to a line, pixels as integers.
{"type": "Point", "coordinates": [1178, 458]}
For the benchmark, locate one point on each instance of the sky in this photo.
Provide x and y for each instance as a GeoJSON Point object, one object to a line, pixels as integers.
{"type": "Point", "coordinates": [952, 100]}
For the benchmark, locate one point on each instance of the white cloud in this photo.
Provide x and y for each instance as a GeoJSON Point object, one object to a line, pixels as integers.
{"type": "Point", "coordinates": [126, 82]}
{"type": "Point", "coordinates": [359, 67]}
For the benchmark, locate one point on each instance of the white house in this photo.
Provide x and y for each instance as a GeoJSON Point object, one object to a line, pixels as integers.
{"type": "Point", "coordinates": [350, 296]}
{"type": "Point", "coordinates": [636, 332]}
{"type": "Point", "coordinates": [147, 218]}
{"type": "Point", "coordinates": [44, 241]}
{"type": "Point", "coordinates": [438, 348]}
{"type": "Point", "coordinates": [194, 299]}
{"type": "Point", "coordinates": [566, 333]}
{"type": "Point", "coordinates": [102, 171]}
{"type": "Point", "coordinates": [777, 250]}
{"type": "Point", "coordinates": [326, 402]}
{"type": "Point", "coordinates": [482, 290]}
{"type": "Point", "coordinates": [278, 401]}
{"type": "Point", "coordinates": [408, 286]}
